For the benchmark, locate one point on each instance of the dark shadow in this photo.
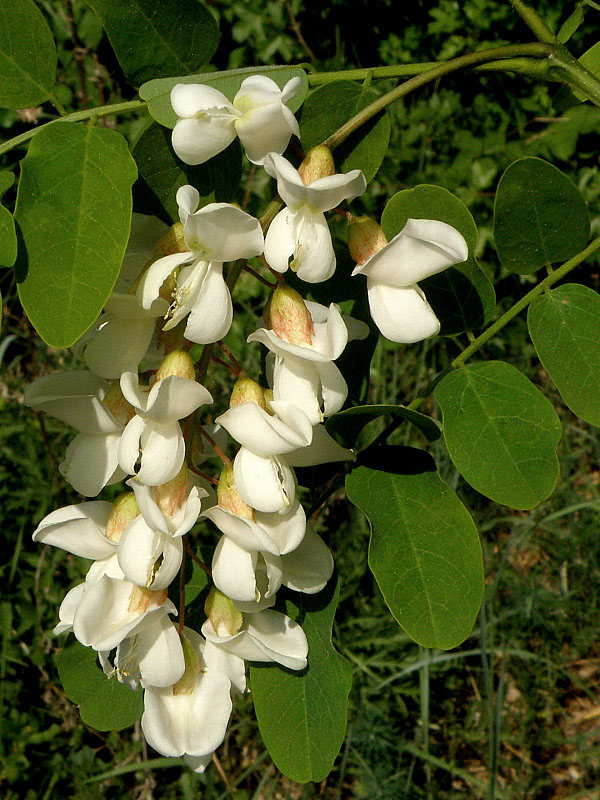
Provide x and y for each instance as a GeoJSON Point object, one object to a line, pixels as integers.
{"type": "Point", "coordinates": [396, 459]}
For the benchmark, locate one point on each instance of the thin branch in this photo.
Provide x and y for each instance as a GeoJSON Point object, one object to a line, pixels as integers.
{"type": "Point", "coordinates": [195, 559]}
{"type": "Point", "coordinates": [534, 49]}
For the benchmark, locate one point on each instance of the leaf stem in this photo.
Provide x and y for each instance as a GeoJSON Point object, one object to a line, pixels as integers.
{"type": "Point", "coordinates": [535, 49]}
{"type": "Point", "coordinates": [76, 116]}
{"type": "Point", "coordinates": [533, 21]}
{"type": "Point", "coordinates": [572, 71]}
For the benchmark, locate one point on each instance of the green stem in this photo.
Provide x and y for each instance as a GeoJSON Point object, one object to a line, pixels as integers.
{"type": "Point", "coordinates": [534, 22]}
{"type": "Point", "coordinates": [535, 49]}
{"type": "Point", "coordinates": [512, 312]}
{"type": "Point", "coordinates": [76, 116]}
{"type": "Point", "coordinates": [509, 315]}
{"type": "Point", "coordinates": [409, 70]}
{"type": "Point", "coordinates": [571, 71]}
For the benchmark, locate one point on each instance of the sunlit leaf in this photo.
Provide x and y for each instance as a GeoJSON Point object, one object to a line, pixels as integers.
{"type": "Point", "coordinates": [27, 55]}
{"type": "Point", "coordinates": [302, 715]}
{"type": "Point", "coordinates": [104, 703]}
{"type": "Point", "coordinates": [570, 25]}
{"type": "Point", "coordinates": [540, 217]}
{"type": "Point", "coordinates": [462, 297]}
{"type": "Point", "coordinates": [74, 213]}
{"type": "Point", "coordinates": [328, 108]}
{"type": "Point", "coordinates": [501, 433]}
{"type": "Point", "coordinates": [424, 551]}
{"type": "Point", "coordinates": [564, 326]}
{"type": "Point", "coordinates": [158, 92]}
{"type": "Point", "coordinates": [154, 38]}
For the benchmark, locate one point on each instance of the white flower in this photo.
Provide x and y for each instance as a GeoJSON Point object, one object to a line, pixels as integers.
{"type": "Point", "coordinates": [190, 718]}
{"type": "Point", "coordinates": [268, 532]}
{"type": "Point", "coordinates": [267, 483]}
{"type": "Point", "coordinates": [267, 434]}
{"type": "Point", "coordinates": [300, 231]}
{"type": "Point", "coordinates": [264, 636]}
{"type": "Point", "coordinates": [307, 568]}
{"type": "Point", "coordinates": [151, 548]}
{"type": "Point", "coordinates": [398, 306]}
{"type": "Point", "coordinates": [78, 529]}
{"type": "Point", "coordinates": [77, 398]}
{"type": "Point", "coordinates": [153, 656]}
{"type": "Point", "coordinates": [246, 577]}
{"type": "Point", "coordinates": [214, 234]}
{"type": "Point", "coordinates": [155, 430]}
{"type": "Point", "coordinates": [208, 122]}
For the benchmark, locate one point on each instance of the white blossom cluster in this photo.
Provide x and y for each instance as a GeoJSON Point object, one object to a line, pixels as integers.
{"type": "Point", "coordinates": [135, 409]}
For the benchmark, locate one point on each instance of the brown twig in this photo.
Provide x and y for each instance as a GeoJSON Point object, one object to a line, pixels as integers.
{"type": "Point", "coordinates": [260, 278]}
{"type": "Point", "coordinates": [225, 459]}
{"type": "Point", "coordinates": [230, 355]}
{"type": "Point", "coordinates": [230, 367]}
{"type": "Point", "coordinates": [296, 28]}
{"type": "Point", "coordinates": [194, 557]}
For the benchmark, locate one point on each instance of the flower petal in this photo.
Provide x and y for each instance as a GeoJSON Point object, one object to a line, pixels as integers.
{"type": "Point", "coordinates": [78, 529]}
{"type": "Point", "coordinates": [309, 567]}
{"type": "Point", "coordinates": [280, 241]}
{"type": "Point", "coordinates": [157, 274]}
{"type": "Point", "coordinates": [401, 314]}
{"type": "Point", "coordinates": [196, 141]}
{"type": "Point", "coordinates": [233, 570]}
{"type": "Point", "coordinates": [91, 463]}
{"type": "Point", "coordinates": [265, 483]}
{"type": "Point", "coordinates": [159, 653]}
{"type": "Point", "coordinates": [423, 247]}
{"type": "Point", "coordinates": [188, 99]}
{"type": "Point", "coordinates": [224, 232]}
{"type": "Point", "coordinates": [265, 434]}
{"type": "Point", "coordinates": [211, 315]}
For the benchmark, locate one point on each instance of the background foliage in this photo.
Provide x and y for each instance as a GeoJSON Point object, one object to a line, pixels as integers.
{"type": "Point", "coordinates": [512, 712]}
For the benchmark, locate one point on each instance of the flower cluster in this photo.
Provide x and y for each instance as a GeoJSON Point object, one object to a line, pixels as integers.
{"type": "Point", "coordinates": [136, 407]}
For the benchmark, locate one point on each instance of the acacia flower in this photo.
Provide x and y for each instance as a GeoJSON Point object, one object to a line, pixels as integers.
{"type": "Point", "coordinates": [423, 247]}
{"type": "Point", "coordinates": [213, 234]}
{"type": "Point", "coordinates": [208, 122]}
{"type": "Point", "coordinates": [300, 231]}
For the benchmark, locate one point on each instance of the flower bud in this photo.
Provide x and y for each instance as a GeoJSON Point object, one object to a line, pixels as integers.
{"type": "Point", "coordinates": [187, 682]}
{"type": "Point", "coordinates": [124, 510]}
{"type": "Point", "coordinates": [177, 363]}
{"type": "Point", "coordinates": [140, 598]}
{"type": "Point", "coordinates": [365, 238]}
{"type": "Point", "coordinates": [171, 496]}
{"type": "Point", "coordinates": [114, 400]}
{"type": "Point", "coordinates": [171, 242]}
{"type": "Point", "coordinates": [245, 390]}
{"type": "Point", "coordinates": [286, 315]}
{"type": "Point", "coordinates": [223, 615]}
{"type": "Point", "coordinates": [229, 498]}
{"type": "Point", "coordinates": [318, 163]}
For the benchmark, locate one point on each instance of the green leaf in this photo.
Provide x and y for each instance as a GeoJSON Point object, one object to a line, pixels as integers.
{"type": "Point", "coordinates": [74, 213]}
{"type": "Point", "coordinates": [161, 174]}
{"type": "Point", "coordinates": [158, 92]}
{"type": "Point", "coordinates": [352, 420]}
{"type": "Point", "coordinates": [462, 297]}
{"type": "Point", "coordinates": [564, 326]}
{"type": "Point", "coordinates": [154, 38]}
{"type": "Point", "coordinates": [570, 25]}
{"type": "Point", "coordinates": [302, 715]}
{"type": "Point", "coordinates": [327, 108]}
{"type": "Point", "coordinates": [424, 551]}
{"type": "Point", "coordinates": [8, 238]}
{"type": "Point", "coordinates": [501, 433]}
{"type": "Point", "coordinates": [540, 217]}
{"type": "Point", "coordinates": [591, 61]}
{"type": "Point", "coordinates": [104, 703]}
{"type": "Point", "coordinates": [7, 179]}
{"type": "Point", "coordinates": [27, 55]}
